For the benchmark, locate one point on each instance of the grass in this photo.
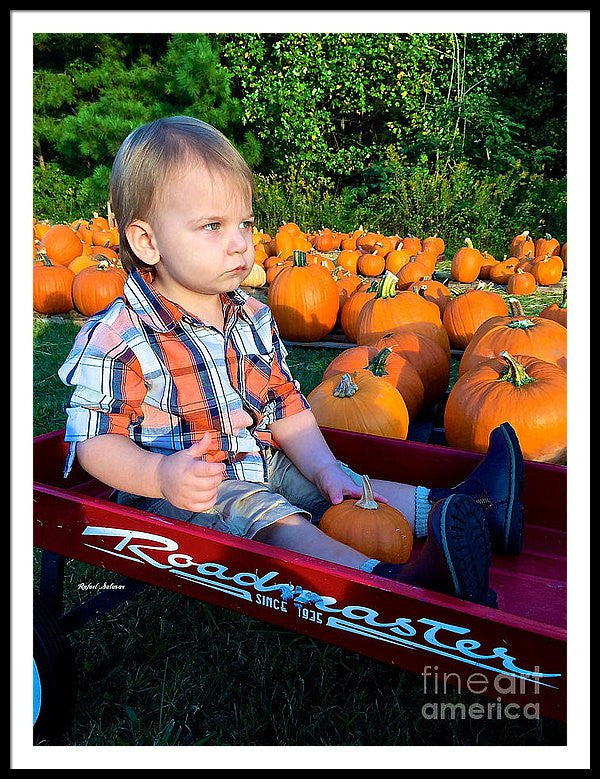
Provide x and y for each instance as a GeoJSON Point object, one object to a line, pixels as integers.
{"type": "Point", "coordinates": [163, 669]}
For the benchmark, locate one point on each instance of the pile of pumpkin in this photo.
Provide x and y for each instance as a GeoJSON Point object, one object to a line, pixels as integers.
{"type": "Point", "coordinates": [529, 264]}
{"type": "Point", "coordinates": [513, 366]}
{"type": "Point", "coordinates": [76, 266]}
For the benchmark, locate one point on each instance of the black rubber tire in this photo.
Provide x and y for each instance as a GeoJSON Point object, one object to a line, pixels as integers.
{"type": "Point", "coordinates": [53, 658]}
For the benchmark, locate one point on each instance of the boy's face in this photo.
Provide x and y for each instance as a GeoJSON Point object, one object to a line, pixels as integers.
{"type": "Point", "coordinates": [203, 233]}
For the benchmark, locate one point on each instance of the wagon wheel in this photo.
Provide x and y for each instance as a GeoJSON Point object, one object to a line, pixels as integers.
{"type": "Point", "coordinates": [53, 674]}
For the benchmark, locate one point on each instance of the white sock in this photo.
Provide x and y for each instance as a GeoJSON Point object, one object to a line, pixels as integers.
{"type": "Point", "coordinates": [422, 509]}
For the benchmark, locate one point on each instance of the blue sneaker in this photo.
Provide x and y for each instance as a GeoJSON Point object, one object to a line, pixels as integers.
{"type": "Point", "coordinates": [456, 557]}
{"type": "Point", "coordinates": [496, 485]}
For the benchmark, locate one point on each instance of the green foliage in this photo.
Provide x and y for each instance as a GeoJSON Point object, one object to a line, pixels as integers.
{"type": "Point", "coordinates": [459, 134]}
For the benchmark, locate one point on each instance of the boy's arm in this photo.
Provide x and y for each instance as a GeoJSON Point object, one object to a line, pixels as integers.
{"type": "Point", "coordinates": [184, 479]}
{"type": "Point", "coordinates": [302, 441]}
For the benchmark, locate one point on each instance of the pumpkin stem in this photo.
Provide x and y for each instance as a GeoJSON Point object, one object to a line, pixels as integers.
{"type": "Point", "coordinates": [387, 286]}
{"type": "Point", "coordinates": [515, 373]}
{"type": "Point", "coordinates": [377, 364]}
{"type": "Point", "coordinates": [299, 258]}
{"type": "Point", "coordinates": [43, 257]}
{"type": "Point", "coordinates": [367, 501]}
{"type": "Point", "coordinates": [563, 302]}
{"type": "Point", "coordinates": [346, 388]}
{"type": "Point", "coordinates": [469, 243]}
{"type": "Point", "coordinates": [515, 307]}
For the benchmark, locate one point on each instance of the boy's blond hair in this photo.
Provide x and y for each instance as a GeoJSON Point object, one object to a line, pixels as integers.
{"type": "Point", "coordinates": [150, 154]}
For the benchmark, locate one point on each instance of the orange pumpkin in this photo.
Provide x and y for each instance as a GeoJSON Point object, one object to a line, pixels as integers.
{"type": "Point", "coordinates": [503, 270]}
{"type": "Point", "coordinates": [387, 365]}
{"type": "Point", "coordinates": [435, 291]}
{"type": "Point", "coordinates": [466, 263]}
{"type": "Point", "coordinates": [427, 356]}
{"type": "Point", "coordinates": [412, 244]}
{"type": "Point", "coordinates": [557, 311]}
{"type": "Point", "coordinates": [304, 300]}
{"type": "Point", "coordinates": [362, 403]}
{"type": "Point", "coordinates": [61, 244]}
{"type": "Point", "coordinates": [348, 259]}
{"type": "Point", "coordinates": [346, 282]}
{"type": "Point", "coordinates": [83, 261]}
{"type": "Point", "coordinates": [523, 390]}
{"type": "Point", "coordinates": [548, 270]}
{"type": "Point", "coordinates": [353, 306]}
{"type": "Point", "coordinates": [521, 283]}
{"type": "Point", "coordinates": [411, 272]}
{"type": "Point", "coordinates": [370, 265]}
{"type": "Point", "coordinates": [465, 312]}
{"type": "Point", "coordinates": [517, 334]}
{"type": "Point", "coordinates": [434, 244]}
{"type": "Point", "coordinates": [547, 245]}
{"type": "Point", "coordinates": [326, 240]}
{"type": "Point", "coordinates": [52, 285]}
{"type": "Point", "coordinates": [390, 309]}
{"type": "Point", "coordinates": [521, 245]}
{"type": "Point", "coordinates": [378, 530]}
{"type": "Point", "coordinates": [487, 263]}
{"type": "Point", "coordinates": [95, 288]}
{"type": "Point", "coordinates": [396, 260]}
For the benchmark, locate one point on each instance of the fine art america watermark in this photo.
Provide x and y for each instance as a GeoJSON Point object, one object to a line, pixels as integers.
{"type": "Point", "coordinates": [443, 683]}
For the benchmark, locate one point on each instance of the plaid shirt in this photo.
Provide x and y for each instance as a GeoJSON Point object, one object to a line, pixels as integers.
{"type": "Point", "coordinates": [147, 369]}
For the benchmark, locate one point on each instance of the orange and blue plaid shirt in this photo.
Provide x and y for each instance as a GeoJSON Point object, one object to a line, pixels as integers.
{"type": "Point", "coordinates": [147, 369]}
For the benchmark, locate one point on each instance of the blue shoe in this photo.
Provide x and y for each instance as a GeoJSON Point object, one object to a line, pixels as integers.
{"type": "Point", "coordinates": [496, 485]}
{"type": "Point", "coordinates": [456, 557]}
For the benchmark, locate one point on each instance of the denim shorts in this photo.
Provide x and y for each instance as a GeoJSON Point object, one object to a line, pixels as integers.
{"type": "Point", "coordinates": [242, 508]}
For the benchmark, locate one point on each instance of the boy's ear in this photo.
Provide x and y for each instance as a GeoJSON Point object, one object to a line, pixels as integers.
{"type": "Point", "coordinates": [142, 241]}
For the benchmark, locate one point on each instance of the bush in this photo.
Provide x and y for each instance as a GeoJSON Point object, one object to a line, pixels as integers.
{"type": "Point", "coordinates": [60, 197]}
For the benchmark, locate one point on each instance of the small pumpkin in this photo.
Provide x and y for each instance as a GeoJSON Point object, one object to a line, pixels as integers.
{"type": "Point", "coordinates": [503, 270]}
{"type": "Point", "coordinates": [435, 291]}
{"type": "Point", "coordinates": [348, 259]}
{"type": "Point", "coordinates": [61, 244]}
{"type": "Point", "coordinates": [487, 263]}
{"type": "Point", "coordinates": [370, 265]}
{"type": "Point", "coordinates": [548, 271]}
{"type": "Point", "coordinates": [97, 287]}
{"type": "Point", "coordinates": [346, 282]}
{"type": "Point", "coordinates": [466, 263]}
{"type": "Point", "coordinates": [256, 278]}
{"type": "Point", "coordinates": [378, 530]}
{"type": "Point", "coordinates": [521, 283]}
{"type": "Point", "coordinates": [547, 245]}
{"type": "Point", "coordinates": [412, 272]}
{"type": "Point", "coordinates": [434, 244]}
{"type": "Point", "coordinates": [412, 244]}
{"type": "Point", "coordinates": [521, 245]}
{"type": "Point", "coordinates": [52, 285]}
{"type": "Point", "coordinates": [326, 240]}
{"type": "Point", "coordinates": [396, 260]}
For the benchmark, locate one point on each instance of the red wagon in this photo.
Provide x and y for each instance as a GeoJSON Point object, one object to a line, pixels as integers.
{"type": "Point", "coordinates": [515, 655]}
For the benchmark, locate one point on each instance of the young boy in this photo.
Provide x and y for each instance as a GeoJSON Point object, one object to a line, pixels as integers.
{"type": "Point", "coordinates": [188, 366]}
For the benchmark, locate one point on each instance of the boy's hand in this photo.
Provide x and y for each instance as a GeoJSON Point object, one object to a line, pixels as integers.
{"type": "Point", "coordinates": [189, 479]}
{"type": "Point", "coordinates": [335, 485]}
